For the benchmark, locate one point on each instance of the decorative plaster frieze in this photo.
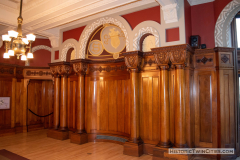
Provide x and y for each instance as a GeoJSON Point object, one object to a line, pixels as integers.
{"type": "Point", "coordinates": [170, 13]}
{"type": "Point", "coordinates": [197, 2]}
{"type": "Point", "coordinates": [222, 29]}
{"type": "Point", "coordinates": [140, 33]}
{"type": "Point", "coordinates": [91, 28]}
{"type": "Point", "coordinates": [34, 49]}
{"type": "Point", "coordinates": [54, 41]}
{"type": "Point", "coordinates": [65, 50]}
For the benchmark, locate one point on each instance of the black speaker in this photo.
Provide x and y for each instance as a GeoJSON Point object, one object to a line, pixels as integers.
{"type": "Point", "coordinates": [195, 41]}
{"type": "Point", "coordinates": [203, 46]}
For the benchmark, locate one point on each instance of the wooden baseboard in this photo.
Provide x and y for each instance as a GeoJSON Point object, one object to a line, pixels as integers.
{"type": "Point", "coordinates": [6, 132]}
{"type": "Point", "coordinates": [133, 149]}
{"type": "Point", "coordinates": [56, 134]}
{"type": "Point", "coordinates": [78, 138]}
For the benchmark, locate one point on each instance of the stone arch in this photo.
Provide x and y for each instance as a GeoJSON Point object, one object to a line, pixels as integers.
{"type": "Point", "coordinates": [145, 28]}
{"type": "Point", "coordinates": [34, 49]}
{"type": "Point", "coordinates": [222, 27]}
{"type": "Point", "coordinates": [89, 29]}
{"type": "Point", "coordinates": [66, 45]}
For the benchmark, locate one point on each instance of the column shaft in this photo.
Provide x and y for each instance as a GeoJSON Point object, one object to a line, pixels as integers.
{"type": "Point", "coordinates": [80, 105]}
{"type": "Point", "coordinates": [164, 109]}
{"type": "Point", "coordinates": [56, 102]}
{"type": "Point", "coordinates": [180, 133]}
{"type": "Point", "coordinates": [135, 121]}
{"type": "Point", "coordinates": [63, 103]}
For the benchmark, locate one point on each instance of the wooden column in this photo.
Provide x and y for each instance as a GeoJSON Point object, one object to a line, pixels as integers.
{"type": "Point", "coordinates": [162, 59]}
{"type": "Point", "coordinates": [60, 100]}
{"type": "Point", "coordinates": [25, 90]}
{"type": "Point", "coordinates": [56, 80]}
{"type": "Point", "coordinates": [13, 103]}
{"type": "Point", "coordinates": [63, 70]}
{"type": "Point", "coordinates": [133, 61]}
{"type": "Point", "coordinates": [80, 137]}
{"type": "Point", "coordinates": [178, 58]}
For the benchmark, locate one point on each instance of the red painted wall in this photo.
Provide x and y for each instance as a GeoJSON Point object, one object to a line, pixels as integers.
{"type": "Point", "coordinates": [41, 57]}
{"type": "Point", "coordinates": [135, 18]}
{"type": "Point", "coordinates": [56, 56]}
{"type": "Point", "coordinates": [172, 35]}
{"type": "Point", "coordinates": [203, 23]}
{"type": "Point", "coordinates": [188, 21]}
{"type": "Point", "coordinates": [74, 33]}
{"type": "Point", "coordinates": [219, 5]}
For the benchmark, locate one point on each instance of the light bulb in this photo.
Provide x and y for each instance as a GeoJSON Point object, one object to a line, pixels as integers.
{"type": "Point", "coordinates": [6, 38]}
{"type": "Point", "coordinates": [5, 55]}
{"type": "Point", "coordinates": [29, 55]}
{"type": "Point", "coordinates": [31, 37]}
{"type": "Point", "coordinates": [23, 58]}
{"type": "Point", "coordinates": [11, 52]}
{"type": "Point", "coordinates": [25, 41]}
{"type": "Point", "coordinates": [13, 34]}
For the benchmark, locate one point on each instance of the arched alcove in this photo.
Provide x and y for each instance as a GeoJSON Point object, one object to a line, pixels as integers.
{"type": "Point", "coordinates": [222, 27]}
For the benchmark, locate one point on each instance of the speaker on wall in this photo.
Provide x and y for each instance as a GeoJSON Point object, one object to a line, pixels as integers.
{"type": "Point", "coordinates": [203, 46]}
{"type": "Point", "coordinates": [195, 41]}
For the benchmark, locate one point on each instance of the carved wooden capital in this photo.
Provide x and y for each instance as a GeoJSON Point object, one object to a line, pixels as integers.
{"type": "Point", "coordinates": [63, 70]}
{"type": "Point", "coordinates": [162, 58]}
{"type": "Point", "coordinates": [80, 68]}
{"type": "Point", "coordinates": [133, 60]}
{"type": "Point", "coordinates": [54, 71]}
{"type": "Point", "coordinates": [178, 56]}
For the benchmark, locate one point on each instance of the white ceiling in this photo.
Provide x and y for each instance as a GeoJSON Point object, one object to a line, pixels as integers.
{"type": "Point", "coordinates": [46, 18]}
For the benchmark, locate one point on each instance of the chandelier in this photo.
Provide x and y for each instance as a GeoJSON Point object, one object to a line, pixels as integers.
{"type": "Point", "coordinates": [15, 44]}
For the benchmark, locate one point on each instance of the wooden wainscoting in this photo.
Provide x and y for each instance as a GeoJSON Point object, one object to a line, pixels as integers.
{"type": "Point", "coordinates": [40, 101]}
{"type": "Point", "coordinates": [150, 107]}
{"type": "Point", "coordinates": [5, 115]}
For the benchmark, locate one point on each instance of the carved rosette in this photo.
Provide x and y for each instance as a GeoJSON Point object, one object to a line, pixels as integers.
{"type": "Point", "coordinates": [63, 70]}
{"type": "Point", "coordinates": [133, 60]}
{"type": "Point", "coordinates": [80, 68]}
{"type": "Point", "coordinates": [162, 59]}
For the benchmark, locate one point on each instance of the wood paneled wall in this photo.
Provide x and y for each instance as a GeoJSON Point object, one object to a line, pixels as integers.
{"type": "Point", "coordinates": [14, 84]}
{"type": "Point", "coordinates": [5, 115]}
{"type": "Point", "coordinates": [107, 102]}
{"type": "Point", "coordinates": [150, 107]}
{"type": "Point", "coordinates": [40, 101]}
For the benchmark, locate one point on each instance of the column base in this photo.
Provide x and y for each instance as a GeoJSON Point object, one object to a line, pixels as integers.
{"type": "Point", "coordinates": [162, 154]}
{"type": "Point", "coordinates": [164, 144]}
{"type": "Point", "coordinates": [56, 134]}
{"type": "Point", "coordinates": [79, 138]}
{"type": "Point", "coordinates": [133, 149]}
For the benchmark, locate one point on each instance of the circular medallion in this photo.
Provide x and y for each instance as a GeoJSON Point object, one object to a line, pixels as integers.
{"type": "Point", "coordinates": [95, 47]}
{"type": "Point", "coordinates": [113, 39]}
{"type": "Point", "coordinates": [116, 55]}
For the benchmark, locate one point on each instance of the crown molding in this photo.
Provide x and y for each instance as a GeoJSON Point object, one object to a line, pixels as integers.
{"type": "Point", "coordinates": [197, 2]}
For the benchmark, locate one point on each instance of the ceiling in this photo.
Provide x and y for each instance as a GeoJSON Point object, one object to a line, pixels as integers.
{"type": "Point", "coordinates": [46, 18]}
